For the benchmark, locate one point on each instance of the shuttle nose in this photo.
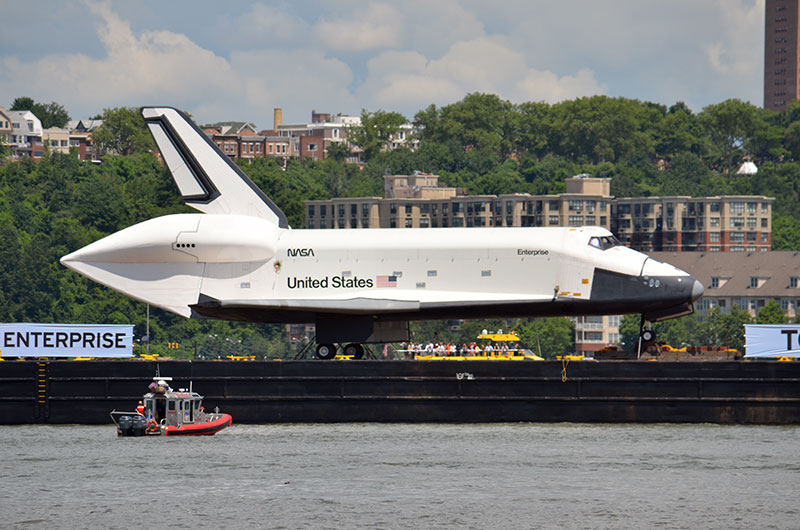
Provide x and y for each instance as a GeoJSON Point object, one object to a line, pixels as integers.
{"type": "Point", "coordinates": [697, 290]}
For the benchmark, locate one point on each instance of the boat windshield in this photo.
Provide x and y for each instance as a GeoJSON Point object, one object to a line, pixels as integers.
{"type": "Point", "coordinates": [604, 242]}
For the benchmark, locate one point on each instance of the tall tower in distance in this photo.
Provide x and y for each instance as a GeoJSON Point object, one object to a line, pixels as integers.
{"type": "Point", "coordinates": [781, 54]}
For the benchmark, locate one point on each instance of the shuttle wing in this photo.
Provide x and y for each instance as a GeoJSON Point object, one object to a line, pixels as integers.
{"type": "Point", "coordinates": [207, 179]}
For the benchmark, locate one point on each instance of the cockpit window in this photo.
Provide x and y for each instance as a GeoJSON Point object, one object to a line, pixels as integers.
{"type": "Point", "coordinates": [604, 242]}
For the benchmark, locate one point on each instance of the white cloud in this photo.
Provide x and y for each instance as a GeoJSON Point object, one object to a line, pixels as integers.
{"type": "Point", "coordinates": [296, 81]}
{"type": "Point", "coordinates": [153, 67]}
{"type": "Point", "coordinates": [376, 27]}
{"type": "Point", "coordinates": [403, 56]}
{"type": "Point", "coordinates": [266, 25]}
{"type": "Point", "coordinates": [547, 86]}
{"type": "Point", "coordinates": [733, 53]}
{"type": "Point", "coordinates": [410, 80]}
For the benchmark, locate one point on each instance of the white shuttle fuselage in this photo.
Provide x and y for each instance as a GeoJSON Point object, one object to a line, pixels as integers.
{"type": "Point", "coordinates": [240, 261]}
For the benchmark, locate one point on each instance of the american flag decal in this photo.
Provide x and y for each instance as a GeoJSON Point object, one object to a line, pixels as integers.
{"type": "Point", "coordinates": [385, 281]}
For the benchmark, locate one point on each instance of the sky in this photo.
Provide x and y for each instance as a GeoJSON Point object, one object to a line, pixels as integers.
{"type": "Point", "coordinates": [238, 60]}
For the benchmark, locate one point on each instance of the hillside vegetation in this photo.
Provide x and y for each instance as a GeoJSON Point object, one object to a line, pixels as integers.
{"type": "Point", "coordinates": [482, 143]}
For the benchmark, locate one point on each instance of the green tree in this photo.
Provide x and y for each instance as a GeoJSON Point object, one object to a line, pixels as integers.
{"type": "Point", "coordinates": [678, 133]}
{"type": "Point", "coordinates": [771, 313]}
{"type": "Point", "coordinates": [552, 336]}
{"type": "Point", "coordinates": [375, 131]}
{"type": "Point", "coordinates": [123, 132]}
{"type": "Point", "coordinates": [785, 233]}
{"type": "Point", "coordinates": [724, 329]}
{"type": "Point", "coordinates": [50, 114]}
{"type": "Point", "coordinates": [22, 103]}
{"type": "Point", "coordinates": [791, 139]}
{"type": "Point", "coordinates": [482, 125]}
{"type": "Point", "coordinates": [731, 125]}
{"type": "Point", "coordinates": [339, 151]}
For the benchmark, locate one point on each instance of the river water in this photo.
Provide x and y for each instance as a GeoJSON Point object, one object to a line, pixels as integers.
{"type": "Point", "coordinates": [344, 476]}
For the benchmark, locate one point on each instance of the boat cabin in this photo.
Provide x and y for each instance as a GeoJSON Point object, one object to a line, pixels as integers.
{"type": "Point", "coordinates": [173, 408]}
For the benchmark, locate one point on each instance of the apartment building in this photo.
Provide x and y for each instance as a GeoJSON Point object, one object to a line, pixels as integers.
{"type": "Point", "coordinates": [312, 140]}
{"type": "Point", "coordinates": [703, 224]}
{"type": "Point", "coordinates": [418, 201]}
{"type": "Point", "coordinates": [80, 137]}
{"type": "Point", "coordinates": [746, 280]}
{"type": "Point", "coordinates": [56, 140]}
{"type": "Point", "coordinates": [781, 53]}
{"type": "Point", "coordinates": [5, 127]}
{"type": "Point", "coordinates": [26, 135]}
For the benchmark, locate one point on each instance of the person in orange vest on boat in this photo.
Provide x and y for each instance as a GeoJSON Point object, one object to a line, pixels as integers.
{"type": "Point", "coordinates": [140, 409]}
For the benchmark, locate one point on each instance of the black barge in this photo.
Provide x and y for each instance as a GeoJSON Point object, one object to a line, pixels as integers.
{"type": "Point", "coordinates": [727, 392]}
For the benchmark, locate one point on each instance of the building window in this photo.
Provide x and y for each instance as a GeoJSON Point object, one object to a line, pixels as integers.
{"type": "Point", "coordinates": [408, 223]}
{"type": "Point", "coordinates": [753, 282]}
{"type": "Point", "coordinates": [793, 282]}
{"type": "Point", "coordinates": [737, 237]}
{"type": "Point", "coordinates": [311, 210]}
{"type": "Point", "coordinates": [737, 222]}
{"type": "Point", "coordinates": [353, 223]}
{"type": "Point", "coordinates": [552, 219]}
{"type": "Point", "coordinates": [737, 207]}
{"type": "Point", "coordinates": [713, 222]}
{"type": "Point", "coordinates": [715, 282]}
{"type": "Point", "coordinates": [713, 237]}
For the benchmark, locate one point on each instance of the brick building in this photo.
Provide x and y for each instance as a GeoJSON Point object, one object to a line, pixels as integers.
{"type": "Point", "coordinates": [704, 224]}
{"type": "Point", "coordinates": [781, 53]}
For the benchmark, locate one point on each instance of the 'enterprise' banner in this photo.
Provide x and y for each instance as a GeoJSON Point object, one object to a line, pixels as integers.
{"type": "Point", "coordinates": [66, 340]}
{"type": "Point", "coordinates": [772, 340]}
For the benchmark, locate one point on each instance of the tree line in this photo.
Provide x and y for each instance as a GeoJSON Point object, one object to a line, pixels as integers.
{"type": "Point", "coordinates": [482, 143]}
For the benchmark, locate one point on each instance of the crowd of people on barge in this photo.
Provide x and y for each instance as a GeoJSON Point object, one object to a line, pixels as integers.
{"type": "Point", "coordinates": [449, 349]}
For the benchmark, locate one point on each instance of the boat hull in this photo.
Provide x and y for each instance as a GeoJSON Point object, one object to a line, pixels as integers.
{"type": "Point", "coordinates": [199, 429]}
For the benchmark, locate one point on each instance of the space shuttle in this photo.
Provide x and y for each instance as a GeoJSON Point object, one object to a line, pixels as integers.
{"type": "Point", "coordinates": [239, 260]}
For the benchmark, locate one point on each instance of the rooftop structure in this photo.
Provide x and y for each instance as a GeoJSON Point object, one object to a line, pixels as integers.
{"type": "Point", "coordinates": [745, 279]}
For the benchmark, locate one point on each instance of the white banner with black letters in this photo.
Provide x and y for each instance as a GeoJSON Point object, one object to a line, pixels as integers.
{"type": "Point", "coordinates": [772, 340]}
{"type": "Point", "coordinates": [66, 340]}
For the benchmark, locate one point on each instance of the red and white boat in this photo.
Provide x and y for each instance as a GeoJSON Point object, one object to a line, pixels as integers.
{"type": "Point", "coordinates": [165, 412]}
